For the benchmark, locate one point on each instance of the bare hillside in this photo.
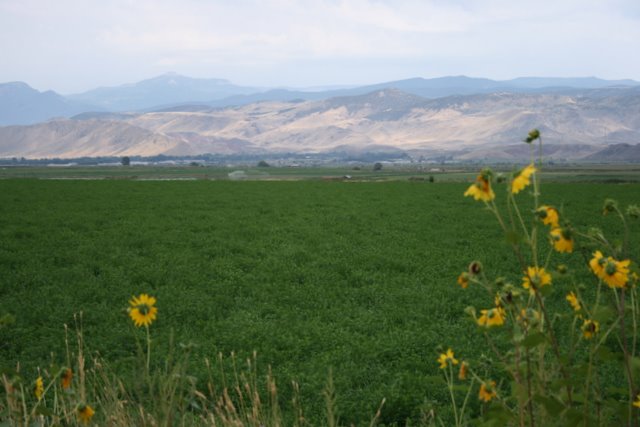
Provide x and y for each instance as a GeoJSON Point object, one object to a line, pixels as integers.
{"type": "Point", "coordinates": [473, 127]}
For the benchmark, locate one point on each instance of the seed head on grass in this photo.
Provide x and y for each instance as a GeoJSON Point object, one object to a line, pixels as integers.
{"type": "Point", "coordinates": [142, 310]}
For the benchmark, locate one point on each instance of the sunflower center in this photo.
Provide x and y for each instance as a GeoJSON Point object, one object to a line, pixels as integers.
{"type": "Point", "coordinates": [144, 309]}
{"type": "Point", "coordinates": [610, 268]}
{"type": "Point", "coordinates": [536, 280]}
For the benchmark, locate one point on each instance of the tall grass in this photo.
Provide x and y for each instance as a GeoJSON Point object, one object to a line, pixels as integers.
{"type": "Point", "coordinates": [234, 393]}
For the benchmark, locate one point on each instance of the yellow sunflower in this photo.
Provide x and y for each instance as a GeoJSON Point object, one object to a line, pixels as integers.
{"type": "Point", "coordinates": [463, 280]}
{"type": "Point", "coordinates": [445, 358]}
{"type": "Point", "coordinates": [38, 388]}
{"type": "Point", "coordinates": [562, 240]}
{"type": "Point", "coordinates": [536, 278]}
{"type": "Point", "coordinates": [487, 391]}
{"type": "Point", "coordinates": [529, 316]}
{"type": "Point", "coordinates": [142, 310]}
{"type": "Point", "coordinates": [492, 317]}
{"type": "Point", "coordinates": [481, 188]}
{"type": "Point", "coordinates": [497, 300]}
{"type": "Point", "coordinates": [597, 264]}
{"type": "Point", "coordinates": [636, 402]}
{"type": "Point", "coordinates": [590, 328]}
{"type": "Point", "coordinates": [67, 376]}
{"type": "Point", "coordinates": [616, 273]}
{"type": "Point", "coordinates": [549, 215]}
{"type": "Point", "coordinates": [464, 368]}
{"type": "Point", "coordinates": [523, 179]}
{"type": "Point", "coordinates": [573, 300]}
{"type": "Point", "coordinates": [85, 413]}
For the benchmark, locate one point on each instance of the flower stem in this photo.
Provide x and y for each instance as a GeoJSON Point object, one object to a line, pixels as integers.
{"type": "Point", "coordinates": [555, 346]}
{"type": "Point", "coordinates": [148, 348]}
{"type": "Point", "coordinates": [529, 395]}
{"type": "Point", "coordinates": [515, 205]}
{"type": "Point", "coordinates": [466, 399]}
{"type": "Point", "coordinates": [625, 350]}
{"type": "Point", "coordinates": [625, 243]}
{"type": "Point", "coordinates": [453, 398]}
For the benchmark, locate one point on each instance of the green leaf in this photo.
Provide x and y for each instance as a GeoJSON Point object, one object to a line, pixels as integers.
{"type": "Point", "coordinates": [534, 340]}
{"type": "Point", "coordinates": [43, 410]}
{"type": "Point", "coordinates": [435, 379]}
{"type": "Point", "coordinates": [604, 314]}
{"type": "Point", "coordinates": [605, 354]}
{"type": "Point", "coordinates": [552, 405]}
{"type": "Point", "coordinates": [7, 319]}
{"type": "Point", "coordinates": [575, 418]}
{"type": "Point", "coordinates": [512, 237]}
{"type": "Point", "coordinates": [518, 390]}
{"type": "Point", "coordinates": [496, 416]}
{"type": "Point", "coordinates": [620, 391]}
{"type": "Point", "coordinates": [545, 291]}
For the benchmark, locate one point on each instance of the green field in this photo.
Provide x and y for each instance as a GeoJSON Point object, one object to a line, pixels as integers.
{"type": "Point", "coordinates": [357, 277]}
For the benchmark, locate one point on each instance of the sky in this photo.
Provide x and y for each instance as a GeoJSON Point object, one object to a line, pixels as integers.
{"type": "Point", "coordinates": [75, 45]}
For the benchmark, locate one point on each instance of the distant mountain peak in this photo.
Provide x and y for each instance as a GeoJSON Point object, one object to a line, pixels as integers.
{"type": "Point", "coordinates": [172, 77]}
{"type": "Point", "coordinates": [20, 104]}
{"type": "Point", "coordinates": [16, 86]}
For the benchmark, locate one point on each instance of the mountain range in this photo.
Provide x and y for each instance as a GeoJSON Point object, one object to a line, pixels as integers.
{"type": "Point", "coordinates": [460, 118]}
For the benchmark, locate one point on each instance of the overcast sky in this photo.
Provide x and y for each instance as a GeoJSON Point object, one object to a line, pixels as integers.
{"type": "Point", "coordinates": [74, 45]}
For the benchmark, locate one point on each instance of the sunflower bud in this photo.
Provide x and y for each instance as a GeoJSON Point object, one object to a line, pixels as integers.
{"type": "Point", "coordinates": [633, 211]}
{"type": "Point", "coordinates": [510, 294]}
{"type": "Point", "coordinates": [471, 311]}
{"type": "Point", "coordinates": [532, 136]}
{"type": "Point", "coordinates": [486, 174]}
{"type": "Point", "coordinates": [610, 205]}
{"type": "Point", "coordinates": [475, 268]}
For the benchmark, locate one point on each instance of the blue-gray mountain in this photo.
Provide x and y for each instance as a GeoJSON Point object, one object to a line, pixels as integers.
{"type": "Point", "coordinates": [577, 124]}
{"type": "Point", "coordinates": [20, 104]}
{"type": "Point", "coordinates": [167, 89]}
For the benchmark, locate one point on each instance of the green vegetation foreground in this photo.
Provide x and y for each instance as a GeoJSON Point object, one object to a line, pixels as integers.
{"type": "Point", "coordinates": [359, 278]}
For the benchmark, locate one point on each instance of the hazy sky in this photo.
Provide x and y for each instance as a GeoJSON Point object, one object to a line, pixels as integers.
{"type": "Point", "coordinates": [74, 45]}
